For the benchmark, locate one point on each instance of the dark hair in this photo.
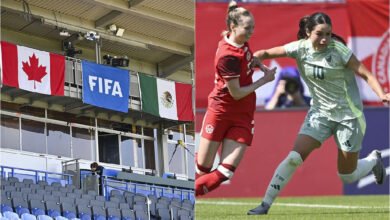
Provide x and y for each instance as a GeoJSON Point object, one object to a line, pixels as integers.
{"type": "Point", "coordinates": [94, 165]}
{"type": "Point", "coordinates": [233, 15]}
{"type": "Point", "coordinates": [308, 22]}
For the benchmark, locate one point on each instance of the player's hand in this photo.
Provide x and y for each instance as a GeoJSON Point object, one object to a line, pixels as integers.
{"type": "Point", "coordinates": [386, 98]}
{"type": "Point", "coordinates": [269, 74]}
{"type": "Point", "coordinates": [256, 63]}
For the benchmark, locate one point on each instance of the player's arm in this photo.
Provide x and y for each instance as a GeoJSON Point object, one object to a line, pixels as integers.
{"type": "Point", "coordinates": [271, 53]}
{"type": "Point", "coordinates": [229, 67]}
{"type": "Point", "coordinates": [359, 69]}
{"type": "Point", "coordinates": [238, 92]}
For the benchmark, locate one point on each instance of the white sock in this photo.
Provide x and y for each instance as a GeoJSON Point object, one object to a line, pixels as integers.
{"type": "Point", "coordinates": [282, 175]}
{"type": "Point", "coordinates": [364, 166]}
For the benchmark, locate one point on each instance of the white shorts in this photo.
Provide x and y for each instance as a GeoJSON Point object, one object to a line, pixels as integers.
{"type": "Point", "coordinates": [348, 134]}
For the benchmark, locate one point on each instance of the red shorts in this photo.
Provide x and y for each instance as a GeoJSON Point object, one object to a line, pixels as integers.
{"type": "Point", "coordinates": [238, 128]}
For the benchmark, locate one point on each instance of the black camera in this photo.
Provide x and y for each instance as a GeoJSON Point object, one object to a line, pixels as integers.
{"type": "Point", "coordinates": [292, 85]}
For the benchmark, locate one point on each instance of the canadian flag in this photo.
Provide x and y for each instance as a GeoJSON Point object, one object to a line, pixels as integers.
{"type": "Point", "coordinates": [32, 70]}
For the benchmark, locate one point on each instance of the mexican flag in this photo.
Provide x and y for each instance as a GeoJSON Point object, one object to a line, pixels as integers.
{"type": "Point", "coordinates": [166, 99]}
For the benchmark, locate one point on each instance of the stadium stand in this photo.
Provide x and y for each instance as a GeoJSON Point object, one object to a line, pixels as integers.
{"type": "Point", "coordinates": [31, 204]}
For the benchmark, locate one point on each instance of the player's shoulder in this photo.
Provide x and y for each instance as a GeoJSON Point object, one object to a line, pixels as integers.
{"type": "Point", "coordinates": [339, 47]}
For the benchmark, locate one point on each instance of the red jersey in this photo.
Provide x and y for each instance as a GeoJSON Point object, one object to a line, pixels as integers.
{"type": "Point", "coordinates": [232, 61]}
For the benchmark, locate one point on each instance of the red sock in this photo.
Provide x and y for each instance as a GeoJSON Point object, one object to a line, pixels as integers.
{"type": "Point", "coordinates": [211, 181]}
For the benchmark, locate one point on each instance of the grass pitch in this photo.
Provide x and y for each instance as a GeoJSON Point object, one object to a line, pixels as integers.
{"type": "Point", "coordinates": [301, 208]}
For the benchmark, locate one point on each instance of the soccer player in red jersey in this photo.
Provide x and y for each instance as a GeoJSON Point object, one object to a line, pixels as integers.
{"type": "Point", "coordinates": [228, 121]}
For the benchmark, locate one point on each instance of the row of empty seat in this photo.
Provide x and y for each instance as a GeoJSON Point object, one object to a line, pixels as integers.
{"type": "Point", "coordinates": [56, 200]}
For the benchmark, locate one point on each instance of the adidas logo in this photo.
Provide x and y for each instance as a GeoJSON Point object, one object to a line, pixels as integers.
{"type": "Point", "coordinates": [277, 187]}
{"type": "Point", "coordinates": [347, 143]}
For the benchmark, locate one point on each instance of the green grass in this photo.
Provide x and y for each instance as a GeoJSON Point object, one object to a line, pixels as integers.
{"type": "Point", "coordinates": [309, 208]}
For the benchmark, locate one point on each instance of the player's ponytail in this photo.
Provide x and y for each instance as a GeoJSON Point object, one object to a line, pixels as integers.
{"type": "Point", "coordinates": [302, 28]}
{"type": "Point", "coordinates": [233, 15]}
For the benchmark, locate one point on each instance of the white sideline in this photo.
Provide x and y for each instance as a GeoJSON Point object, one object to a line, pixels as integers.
{"type": "Point", "coordinates": [292, 205]}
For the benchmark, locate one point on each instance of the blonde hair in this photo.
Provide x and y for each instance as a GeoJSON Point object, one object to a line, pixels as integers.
{"type": "Point", "coordinates": [233, 15]}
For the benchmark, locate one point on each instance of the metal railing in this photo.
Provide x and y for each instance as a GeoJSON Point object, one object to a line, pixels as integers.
{"type": "Point", "coordinates": [37, 175]}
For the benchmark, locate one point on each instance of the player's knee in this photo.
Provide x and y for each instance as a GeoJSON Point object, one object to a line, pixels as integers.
{"type": "Point", "coordinates": [294, 159]}
{"type": "Point", "coordinates": [348, 178]}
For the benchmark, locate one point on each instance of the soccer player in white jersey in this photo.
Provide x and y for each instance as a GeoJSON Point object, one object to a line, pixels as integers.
{"type": "Point", "coordinates": [328, 67]}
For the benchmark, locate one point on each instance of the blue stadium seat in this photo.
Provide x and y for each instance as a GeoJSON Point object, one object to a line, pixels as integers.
{"type": "Point", "coordinates": [53, 209]}
{"type": "Point", "coordinates": [127, 214]}
{"type": "Point", "coordinates": [99, 213]}
{"type": "Point", "coordinates": [20, 206]}
{"type": "Point", "coordinates": [44, 217]}
{"type": "Point", "coordinates": [100, 198]}
{"type": "Point", "coordinates": [37, 207]}
{"type": "Point", "coordinates": [110, 204]}
{"type": "Point", "coordinates": [84, 212]}
{"type": "Point", "coordinates": [141, 215]}
{"type": "Point", "coordinates": [12, 179]}
{"type": "Point", "coordinates": [28, 181]}
{"type": "Point", "coordinates": [113, 214]}
{"type": "Point", "coordinates": [60, 218]}
{"type": "Point", "coordinates": [6, 204]}
{"type": "Point", "coordinates": [28, 216]}
{"type": "Point", "coordinates": [11, 215]}
{"type": "Point", "coordinates": [68, 210]}
{"type": "Point", "coordinates": [163, 214]}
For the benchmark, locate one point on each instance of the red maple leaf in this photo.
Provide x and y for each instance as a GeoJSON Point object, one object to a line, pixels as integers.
{"type": "Point", "coordinates": [33, 71]}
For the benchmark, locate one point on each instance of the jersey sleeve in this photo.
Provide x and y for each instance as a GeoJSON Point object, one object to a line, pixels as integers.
{"type": "Point", "coordinates": [229, 67]}
{"type": "Point", "coordinates": [344, 52]}
{"type": "Point", "coordinates": [292, 49]}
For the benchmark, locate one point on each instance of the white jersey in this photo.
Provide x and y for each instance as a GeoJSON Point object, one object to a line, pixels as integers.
{"type": "Point", "coordinates": [332, 85]}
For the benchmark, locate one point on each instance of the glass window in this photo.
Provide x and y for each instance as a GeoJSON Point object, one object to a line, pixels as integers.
{"type": "Point", "coordinates": [127, 151]}
{"type": "Point", "coordinates": [10, 132]}
{"type": "Point", "coordinates": [175, 156]}
{"type": "Point", "coordinates": [33, 136]}
{"type": "Point", "coordinates": [150, 162]}
{"type": "Point", "coordinates": [83, 141]}
{"type": "Point", "coordinates": [190, 139]}
{"type": "Point", "coordinates": [58, 140]}
{"type": "Point", "coordinates": [108, 148]}
{"type": "Point", "coordinates": [191, 160]}
{"type": "Point", "coordinates": [140, 155]}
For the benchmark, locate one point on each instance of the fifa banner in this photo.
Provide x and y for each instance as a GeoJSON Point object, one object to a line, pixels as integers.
{"type": "Point", "coordinates": [32, 70]}
{"type": "Point", "coordinates": [274, 137]}
{"type": "Point", "coordinates": [363, 24]}
{"type": "Point", "coordinates": [105, 86]}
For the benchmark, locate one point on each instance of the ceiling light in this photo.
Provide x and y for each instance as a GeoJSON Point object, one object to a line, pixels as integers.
{"type": "Point", "coordinates": [64, 33]}
{"type": "Point", "coordinates": [120, 32]}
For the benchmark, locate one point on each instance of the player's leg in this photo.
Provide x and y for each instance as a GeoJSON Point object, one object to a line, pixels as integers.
{"type": "Point", "coordinates": [349, 136]}
{"type": "Point", "coordinates": [231, 155]}
{"type": "Point", "coordinates": [212, 134]}
{"type": "Point", "coordinates": [314, 131]}
{"type": "Point", "coordinates": [206, 155]}
{"type": "Point", "coordinates": [237, 138]}
{"type": "Point", "coordinates": [304, 145]}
